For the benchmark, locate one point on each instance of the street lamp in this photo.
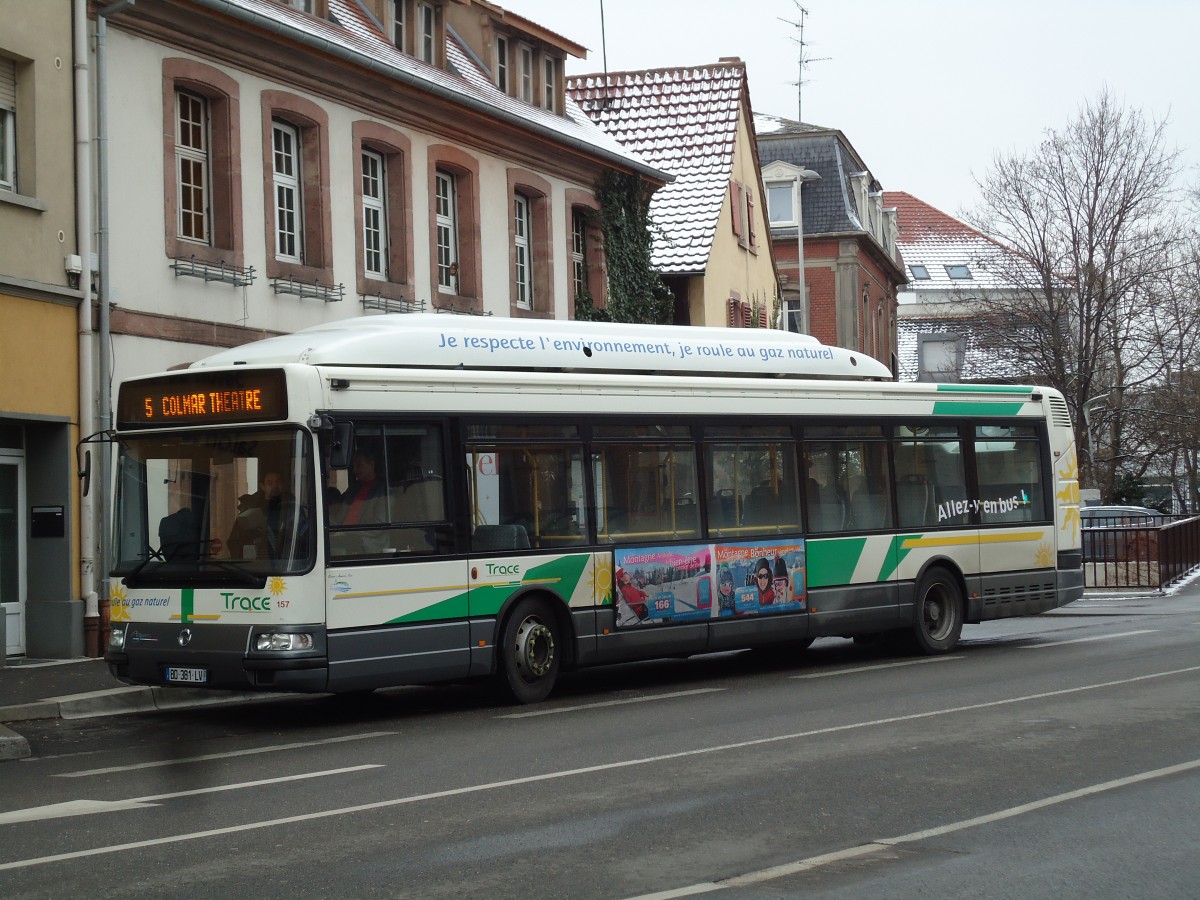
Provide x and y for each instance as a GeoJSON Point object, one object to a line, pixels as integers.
{"type": "Point", "coordinates": [1087, 422]}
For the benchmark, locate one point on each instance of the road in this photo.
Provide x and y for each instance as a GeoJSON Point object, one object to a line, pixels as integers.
{"type": "Point", "coordinates": [1050, 757]}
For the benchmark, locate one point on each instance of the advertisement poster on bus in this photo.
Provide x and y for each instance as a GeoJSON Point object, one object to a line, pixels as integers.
{"type": "Point", "coordinates": [664, 585]}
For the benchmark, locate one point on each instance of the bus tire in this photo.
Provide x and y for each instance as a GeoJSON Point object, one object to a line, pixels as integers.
{"type": "Point", "coordinates": [937, 613]}
{"type": "Point", "coordinates": [530, 652]}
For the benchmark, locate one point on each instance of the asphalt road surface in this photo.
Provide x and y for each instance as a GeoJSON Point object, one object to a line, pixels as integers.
{"type": "Point", "coordinates": [1050, 757]}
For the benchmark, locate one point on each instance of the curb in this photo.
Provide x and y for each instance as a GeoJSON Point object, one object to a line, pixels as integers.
{"type": "Point", "coordinates": [12, 745]}
{"type": "Point", "coordinates": [119, 701]}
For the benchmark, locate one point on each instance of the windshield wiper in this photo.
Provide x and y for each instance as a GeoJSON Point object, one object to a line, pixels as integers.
{"type": "Point", "coordinates": [244, 576]}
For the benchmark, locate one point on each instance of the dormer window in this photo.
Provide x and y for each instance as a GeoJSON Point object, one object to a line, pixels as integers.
{"type": "Point", "coordinates": [525, 73]}
{"type": "Point", "coordinates": [426, 34]}
{"type": "Point", "coordinates": [304, 6]}
{"type": "Point", "coordinates": [550, 83]}
{"type": "Point", "coordinates": [502, 64]}
{"type": "Point", "coordinates": [399, 23]}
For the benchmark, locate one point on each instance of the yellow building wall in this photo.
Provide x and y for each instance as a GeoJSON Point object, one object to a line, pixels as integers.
{"type": "Point", "coordinates": [38, 358]}
{"type": "Point", "coordinates": [730, 266]}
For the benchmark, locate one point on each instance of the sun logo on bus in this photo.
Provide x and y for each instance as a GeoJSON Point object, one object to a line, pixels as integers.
{"type": "Point", "coordinates": [1068, 476]}
{"type": "Point", "coordinates": [118, 603]}
{"type": "Point", "coordinates": [602, 582]}
{"type": "Point", "coordinates": [276, 586]}
{"type": "Point", "coordinates": [1044, 556]}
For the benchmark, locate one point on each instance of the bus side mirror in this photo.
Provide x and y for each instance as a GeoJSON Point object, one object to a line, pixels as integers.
{"type": "Point", "coordinates": [341, 446]}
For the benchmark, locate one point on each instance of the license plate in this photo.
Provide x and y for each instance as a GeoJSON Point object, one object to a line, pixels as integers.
{"type": "Point", "coordinates": [179, 675]}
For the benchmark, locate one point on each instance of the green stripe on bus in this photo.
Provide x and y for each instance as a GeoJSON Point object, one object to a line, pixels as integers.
{"type": "Point", "coordinates": [833, 561]}
{"type": "Point", "coordinates": [559, 575]}
{"type": "Point", "coordinates": [896, 553]}
{"type": "Point", "coordinates": [451, 608]}
{"type": "Point", "coordinates": [974, 408]}
{"type": "Point", "coordinates": [982, 389]}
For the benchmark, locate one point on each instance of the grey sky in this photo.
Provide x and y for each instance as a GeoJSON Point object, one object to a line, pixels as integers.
{"type": "Point", "coordinates": [927, 91]}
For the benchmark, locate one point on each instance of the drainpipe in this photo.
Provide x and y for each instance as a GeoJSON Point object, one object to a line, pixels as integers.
{"type": "Point", "coordinates": [105, 292]}
{"type": "Point", "coordinates": [87, 387]}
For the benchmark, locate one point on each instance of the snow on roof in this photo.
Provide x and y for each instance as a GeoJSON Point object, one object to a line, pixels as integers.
{"type": "Point", "coordinates": [929, 237]}
{"type": "Point", "coordinates": [681, 120]}
{"type": "Point", "coordinates": [351, 31]}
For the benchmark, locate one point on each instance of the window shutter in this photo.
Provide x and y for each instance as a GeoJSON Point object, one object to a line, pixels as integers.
{"type": "Point", "coordinates": [735, 201]}
{"type": "Point", "coordinates": [762, 316]}
{"type": "Point", "coordinates": [750, 230]}
{"type": "Point", "coordinates": [8, 83]}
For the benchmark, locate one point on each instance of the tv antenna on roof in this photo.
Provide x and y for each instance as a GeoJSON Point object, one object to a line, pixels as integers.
{"type": "Point", "coordinates": [803, 59]}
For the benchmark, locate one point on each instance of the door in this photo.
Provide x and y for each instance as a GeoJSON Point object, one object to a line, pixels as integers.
{"type": "Point", "coordinates": [12, 552]}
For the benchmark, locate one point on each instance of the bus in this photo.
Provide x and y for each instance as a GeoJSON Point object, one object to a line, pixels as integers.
{"type": "Point", "coordinates": [419, 499]}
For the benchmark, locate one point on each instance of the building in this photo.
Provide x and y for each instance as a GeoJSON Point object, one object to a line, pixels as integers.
{"type": "Point", "coordinates": [260, 166]}
{"type": "Point", "coordinates": [957, 278]}
{"type": "Point", "coordinates": [827, 213]}
{"type": "Point", "coordinates": [43, 581]}
{"type": "Point", "coordinates": [709, 224]}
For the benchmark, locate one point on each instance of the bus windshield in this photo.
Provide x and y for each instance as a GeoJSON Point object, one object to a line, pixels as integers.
{"type": "Point", "coordinates": [230, 506]}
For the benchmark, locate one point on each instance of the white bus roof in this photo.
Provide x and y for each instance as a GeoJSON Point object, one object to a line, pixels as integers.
{"type": "Point", "coordinates": [428, 340]}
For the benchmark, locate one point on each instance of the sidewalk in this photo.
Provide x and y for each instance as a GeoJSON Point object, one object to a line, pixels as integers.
{"type": "Point", "coordinates": [80, 689]}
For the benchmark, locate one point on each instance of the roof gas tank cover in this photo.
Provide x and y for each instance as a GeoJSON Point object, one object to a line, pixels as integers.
{"type": "Point", "coordinates": [429, 340]}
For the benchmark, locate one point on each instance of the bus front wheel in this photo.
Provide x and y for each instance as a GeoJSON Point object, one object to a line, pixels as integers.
{"type": "Point", "coordinates": [938, 618]}
{"type": "Point", "coordinates": [530, 652]}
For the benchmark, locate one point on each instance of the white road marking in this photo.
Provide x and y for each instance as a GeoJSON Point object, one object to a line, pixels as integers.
{"type": "Point", "coordinates": [159, 763]}
{"type": "Point", "coordinates": [814, 862]}
{"type": "Point", "coordinates": [891, 665]}
{"type": "Point", "coordinates": [564, 709]}
{"type": "Point", "coordinates": [1086, 640]}
{"type": "Point", "coordinates": [570, 773]}
{"type": "Point", "coordinates": [89, 807]}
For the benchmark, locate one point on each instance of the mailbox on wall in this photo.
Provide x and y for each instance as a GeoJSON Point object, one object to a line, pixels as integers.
{"type": "Point", "coordinates": [47, 522]}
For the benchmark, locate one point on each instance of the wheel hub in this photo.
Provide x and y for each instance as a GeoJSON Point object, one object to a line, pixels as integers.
{"type": "Point", "coordinates": [535, 648]}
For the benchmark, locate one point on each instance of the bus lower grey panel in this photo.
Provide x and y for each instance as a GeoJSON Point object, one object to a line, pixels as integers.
{"type": "Point", "coordinates": [1008, 594]}
{"type": "Point", "coordinates": [646, 642]}
{"type": "Point", "coordinates": [750, 631]}
{"type": "Point", "coordinates": [413, 654]}
{"type": "Point", "coordinates": [1070, 586]}
{"type": "Point", "coordinates": [843, 610]}
{"type": "Point", "coordinates": [583, 621]}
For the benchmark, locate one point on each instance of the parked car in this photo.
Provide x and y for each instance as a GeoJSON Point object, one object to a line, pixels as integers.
{"type": "Point", "coordinates": [1122, 529]}
{"type": "Point", "coordinates": [1103, 516]}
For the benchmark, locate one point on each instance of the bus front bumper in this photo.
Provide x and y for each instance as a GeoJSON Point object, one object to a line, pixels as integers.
{"type": "Point", "coordinates": [222, 657]}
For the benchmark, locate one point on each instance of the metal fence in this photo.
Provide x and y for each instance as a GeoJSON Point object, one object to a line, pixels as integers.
{"type": "Point", "coordinates": [1143, 555]}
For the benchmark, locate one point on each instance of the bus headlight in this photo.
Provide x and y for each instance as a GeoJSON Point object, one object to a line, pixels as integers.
{"type": "Point", "coordinates": [116, 638]}
{"type": "Point", "coordinates": [272, 641]}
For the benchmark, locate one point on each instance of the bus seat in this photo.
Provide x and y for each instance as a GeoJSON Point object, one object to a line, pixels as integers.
{"type": "Point", "coordinates": [913, 499]}
{"type": "Point", "coordinates": [761, 508]}
{"type": "Point", "coordinates": [687, 519]}
{"type": "Point", "coordinates": [868, 509]}
{"type": "Point", "coordinates": [722, 510]}
{"type": "Point", "coordinates": [500, 537]}
{"type": "Point", "coordinates": [422, 502]}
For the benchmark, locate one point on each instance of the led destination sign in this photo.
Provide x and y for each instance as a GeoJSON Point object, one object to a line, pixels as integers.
{"type": "Point", "coordinates": [208, 398]}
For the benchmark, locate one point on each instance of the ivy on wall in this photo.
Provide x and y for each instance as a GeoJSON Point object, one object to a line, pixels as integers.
{"type": "Point", "coordinates": [636, 293]}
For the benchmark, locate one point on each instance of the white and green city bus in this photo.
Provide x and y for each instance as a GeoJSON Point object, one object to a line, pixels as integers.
{"type": "Point", "coordinates": [417, 499]}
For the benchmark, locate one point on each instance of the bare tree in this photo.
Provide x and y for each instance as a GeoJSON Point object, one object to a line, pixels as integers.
{"type": "Point", "coordinates": [1089, 214]}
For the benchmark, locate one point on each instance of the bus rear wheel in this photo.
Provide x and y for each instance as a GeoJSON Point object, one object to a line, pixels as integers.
{"type": "Point", "coordinates": [938, 616]}
{"type": "Point", "coordinates": [530, 652]}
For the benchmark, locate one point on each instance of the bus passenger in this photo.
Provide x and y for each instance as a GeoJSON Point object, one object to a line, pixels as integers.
{"type": "Point", "coordinates": [260, 519]}
{"type": "Point", "coordinates": [365, 500]}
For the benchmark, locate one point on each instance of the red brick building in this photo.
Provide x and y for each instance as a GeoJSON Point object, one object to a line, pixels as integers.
{"type": "Point", "coordinates": [852, 266]}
